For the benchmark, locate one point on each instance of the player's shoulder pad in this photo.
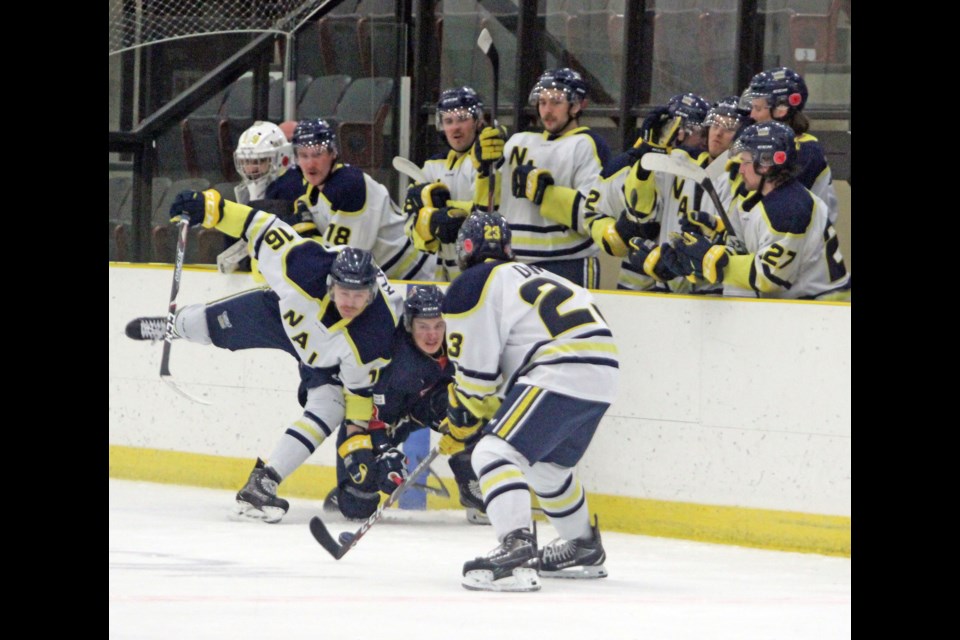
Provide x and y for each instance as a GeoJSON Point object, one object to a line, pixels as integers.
{"type": "Point", "coordinates": [812, 160]}
{"type": "Point", "coordinates": [616, 164]}
{"type": "Point", "coordinates": [465, 291]}
{"type": "Point", "coordinates": [372, 331]}
{"type": "Point", "coordinates": [307, 266]}
{"type": "Point", "coordinates": [288, 186]}
{"type": "Point", "coordinates": [789, 208]}
{"type": "Point", "coordinates": [599, 144]}
{"type": "Point", "coordinates": [345, 189]}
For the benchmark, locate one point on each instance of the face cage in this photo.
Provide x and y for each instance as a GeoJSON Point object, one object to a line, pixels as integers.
{"type": "Point", "coordinates": [325, 145]}
{"type": "Point", "coordinates": [723, 120]}
{"type": "Point", "coordinates": [240, 156]}
{"type": "Point", "coordinates": [552, 85]}
{"type": "Point", "coordinates": [462, 114]}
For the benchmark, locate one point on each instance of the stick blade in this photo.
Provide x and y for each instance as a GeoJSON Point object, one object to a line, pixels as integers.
{"type": "Point", "coordinates": [672, 164]}
{"type": "Point", "coordinates": [409, 169]}
{"type": "Point", "coordinates": [485, 41]}
{"type": "Point", "coordinates": [322, 535]}
{"type": "Point", "coordinates": [173, 385]}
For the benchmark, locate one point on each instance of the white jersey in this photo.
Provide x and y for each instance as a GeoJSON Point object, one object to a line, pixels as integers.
{"type": "Point", "coordinates": [510, 323]}
{"type": "Point", "coordinates": [455, 170]}
{"type": "Point", "coordinates": [574, 161]}
{"type": "Point", "coordinates": [348, 351]}
{"type": "Point", "coordinates": [793, 248]}
{"type": "Point", "coordinates": [351, 208]}
{"type": "Point", "coordinates": [676, 196]}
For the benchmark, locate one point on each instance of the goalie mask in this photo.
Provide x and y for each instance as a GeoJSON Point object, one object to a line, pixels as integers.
{"type": "Point", "coordinates": [483, 235]}
{"type": "Point", "coordinates": [262, 155]}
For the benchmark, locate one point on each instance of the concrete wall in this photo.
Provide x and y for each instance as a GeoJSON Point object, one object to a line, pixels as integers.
{"type": "Point", "coordinates": [741, 405]}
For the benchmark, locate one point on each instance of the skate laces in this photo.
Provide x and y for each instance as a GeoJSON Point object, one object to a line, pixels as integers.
{"type": "Point", "coordinates": [153, 328]}
{"type": "Point", "coordinates": [559, 550]}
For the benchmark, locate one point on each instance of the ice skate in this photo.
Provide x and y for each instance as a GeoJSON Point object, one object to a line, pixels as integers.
{"type": "Point", "coordinates": [510, 567]}
{"type": "Point", "coordinates": [151, 329]}
{"type": "Point", "coordinates": [258, 500]}
{"type": "Point", "coordinates": [472, 501]}
{"type": "Point", "coordinates": [574, 558]}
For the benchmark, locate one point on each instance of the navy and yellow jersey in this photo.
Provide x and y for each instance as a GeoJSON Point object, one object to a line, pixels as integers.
{"type": "Point", "coordinates": [351, 208]}
{"type": "Point", "coordinates": [455, 170]}
{"type": "Point", "coordinates": [289, 186]}
{"type": "Point", "coordinates": [793, 248]}
{"type": "Point", "coordinates": [413, 387]}
{"type": "Point", "coordinates": [574, 159]}
{"type": "Point", "coordinates": [815, 173]}
{"type": "Point", "coordinates": [512, 323]}
{"type": "Point", "coordinates": [296, 269]}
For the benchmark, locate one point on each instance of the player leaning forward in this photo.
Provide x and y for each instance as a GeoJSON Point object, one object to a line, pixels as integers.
{"type": "Point", "coordinates": [536, 369]}
{"type": "Point", "coordinates": [331, 308]}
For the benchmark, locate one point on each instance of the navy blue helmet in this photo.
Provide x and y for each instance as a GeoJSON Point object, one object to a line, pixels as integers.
{"type": "Point", "coordinates": [483, 235]}
{"type": "Point", "coordinates": [778, 86]}
{"type": "Point", "coordinates": [315, 133]}
{"type": "Point", "coordinates": [461, 99]}
{"type": "Point", "coordinates": [771, 144]}
{"type": "Point", "coordinates": [726, 113]}
{"type": "Point", "coordinates": [569, 81]}
{"type": "Point", "coordinates": [422, 301]}
{"type": "Point", "coordinates": [354, 269]}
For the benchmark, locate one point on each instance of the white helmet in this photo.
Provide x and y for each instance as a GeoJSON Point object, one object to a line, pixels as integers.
{"type": "Point", "coordinates": [263, 141]}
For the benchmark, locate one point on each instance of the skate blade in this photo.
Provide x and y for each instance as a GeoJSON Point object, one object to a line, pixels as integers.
{"type": "Point", "coordinates": [577, 573]}
{"type": "Point", "coordinates": [476, 517]}
{"type": "Point", "coordinates": [521, 580]}
{"type": "Point", "coordinates": [246, 512]}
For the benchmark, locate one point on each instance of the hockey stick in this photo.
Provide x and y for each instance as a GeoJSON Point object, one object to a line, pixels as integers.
{"type": "Point", "coordinates": [183, 228]}
{"type": "Point", "coordinates": [337, 550]}
{"type": "Point", "coordinates": [485, 42]}
{"type": "Point", "coordinates": [672, 164]}
{"type": "Point", "coordinates": [409, 169]}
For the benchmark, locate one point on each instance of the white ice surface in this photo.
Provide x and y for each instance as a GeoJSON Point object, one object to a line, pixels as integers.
{"type": "Point", "coordinates": [180, 569]}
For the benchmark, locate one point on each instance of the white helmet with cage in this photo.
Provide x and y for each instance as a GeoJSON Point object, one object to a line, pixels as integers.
{"type": "Point", "coordinates": [263, 154]}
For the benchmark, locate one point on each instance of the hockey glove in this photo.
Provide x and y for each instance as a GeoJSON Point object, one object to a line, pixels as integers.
{"type": "Point", "coordinates": [460, 428]}
{"type": "Point", "coordinates": [391, 470]}
{"type": "Point", "coordinates": [443, 223]}
{"type": "Point", "coordinates": [200, 207]}
{"type": "Point", "coordinates": [651, 126]}
{"type": "Point", "coordinates": [430, 194]}
{"type": "Point", "coordinates": [531, 183]}
{"type": "Point", "coordinates": [358, 458]}
{"type": "Point", "coordinates": [303, 222]}
{"type": "Point", "coordinates": [706, 259]}
{"type": "Point", "coordinates": [646, 255]}
{"type": "Point", "coordinates": [488, 148]}
{"type": "Point", "coordinates": [706, 224]}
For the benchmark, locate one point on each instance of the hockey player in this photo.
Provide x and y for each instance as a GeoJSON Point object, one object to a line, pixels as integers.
{"type": "Point", "coordinates": [437, 208]}
{"type": "Point", "coordinates": [345, 206]}
{"type": "Point", "coordinates": [546, 224]}
{"type": "Point", "coordinates": [331, 309]}
{"type": "Point", "coordinates": [411, 394]}
{"type": "Point", "coordinates": [536, 369]}
{"type": "Point", "coordinates": [791, 249]}
{"type": "Point", "coordinates": [780, 94]}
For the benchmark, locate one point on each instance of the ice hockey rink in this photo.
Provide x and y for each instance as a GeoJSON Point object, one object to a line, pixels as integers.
{"type": "Point", "coordinates": [181, 569]}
